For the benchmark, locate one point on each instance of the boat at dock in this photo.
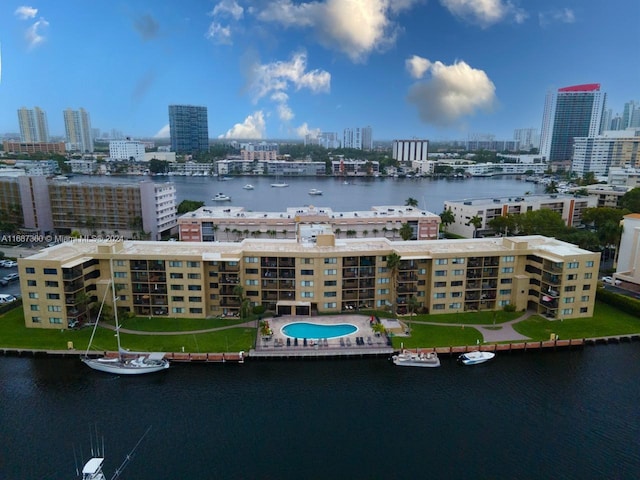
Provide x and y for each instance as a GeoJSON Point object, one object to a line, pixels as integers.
{"type": "Point", "coordinates": [475, 358]}
{"type": "Point", "coordinates": [415, 359]}
{"type": "Point", "coordinates": [221, 197]}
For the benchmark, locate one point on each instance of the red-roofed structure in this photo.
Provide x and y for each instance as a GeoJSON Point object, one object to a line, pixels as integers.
{"type": "Point", "coordinates": [587, 87]}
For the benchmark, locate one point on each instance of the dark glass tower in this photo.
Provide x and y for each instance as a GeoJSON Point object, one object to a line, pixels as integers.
{"type": "Point", "coordinates": [189, 129]}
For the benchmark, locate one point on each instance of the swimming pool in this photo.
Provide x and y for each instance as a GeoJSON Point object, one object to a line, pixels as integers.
{"type": "Point", "coordinates": [315, 330]}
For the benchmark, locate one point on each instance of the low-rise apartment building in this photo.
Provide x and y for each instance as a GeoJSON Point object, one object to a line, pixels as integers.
{"type": "Point", "coordinates": [316, 273]}
{"type": "Point", "coordinates": [210, 224]}
{"type": "Point", "coordinates": [569, 207]}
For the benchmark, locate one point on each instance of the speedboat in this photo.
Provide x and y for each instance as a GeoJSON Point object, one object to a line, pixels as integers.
{"type": "Point", "coordinates": [248, 186]}
{"type": "Point", "coordinates": [415, 359]}
{"type": "Point", "coordinates": [474, 358]}
{"type": "Point", "coordinates": [221, 197]}
{"type": "Point", "coordinates": [315, 191]}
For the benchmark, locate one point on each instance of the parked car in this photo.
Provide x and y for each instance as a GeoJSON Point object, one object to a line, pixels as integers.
{"type": "Point", "coordinates": [11, 277]}
{"type": "Point", "coordinates": [610, 281]}
{"type": "Point", "coordinates": [5, 298]}
{"type": "Point", "coordinates": [9, 263]}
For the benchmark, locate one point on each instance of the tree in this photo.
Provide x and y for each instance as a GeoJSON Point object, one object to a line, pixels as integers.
{"type": "Point", "coordinates": [238, 291]}
{"type": "Point", "coordinates": [412, 305]}
{"type": "Point", "coordinates": [406, 232]}
{"type": "Point", "coordinates": [393, 264]}
{"type": "Point", "coordinates": [551, 188]}
{"type": "Point", "coordinates": [542, 222]}
{"type": "Point", "coordinates": [189, 206]}
{"type": "Point", "coordinates": [447, 217]}
{"type": "Point", "coordinates": [631, 200]}
{"type": "Point", "coordinates": [338, 231]}
{"type": "Point", "coordinates": [504, 225]}
{"type": "Point", "coordinates": [411, 202]}
{"type": "Point", "coordinates": [476, 221]}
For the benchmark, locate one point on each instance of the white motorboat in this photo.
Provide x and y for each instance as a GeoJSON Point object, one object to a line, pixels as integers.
{"type": "Point", "coordinates": [221, 197]}
{"type": "Point", "coordinates": [248, 186]}
{"type": "Point", "coordinates": [125, 362]}
{"type": "Point", "coordinates": [415, 359]}
{"type": "Point", "coordinates": [315, 191]}
{"type": "Point", "coordinates": [474, 358]}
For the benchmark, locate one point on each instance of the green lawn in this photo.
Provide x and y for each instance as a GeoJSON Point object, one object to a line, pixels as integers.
{"type": "Point", "coordinates": [467, 318]}
{"type": "Point", "coordinates": [436, 336]}
{"type": "Point", "coordinates": [154, 324]}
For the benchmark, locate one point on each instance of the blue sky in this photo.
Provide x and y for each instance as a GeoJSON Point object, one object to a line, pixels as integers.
{"type": "Point", "coordinates": [435, 69]}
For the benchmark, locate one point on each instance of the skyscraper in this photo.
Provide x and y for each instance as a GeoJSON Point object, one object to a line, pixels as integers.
{"type": "Point", "coordinates": [189, 129]}
{"type": "Point", "coordinates": [33, 125]}
{"type": "Point", "coordinates": [358, 138]}
{"type": "Point", "coordinates": [575, 111]}
{"type": "Point", "coordinates": [77, 127]}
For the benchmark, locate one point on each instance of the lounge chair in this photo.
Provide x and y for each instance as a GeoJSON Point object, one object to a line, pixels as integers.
{"type": "Point", "coordinates": [288, 342]}
{"type": "Point", "coordinates": [325, 342]}
{"type": "Point", "coordinates": [369, 342]}
{"type": "Point", "coordinates": [295, 342]}
{"type": "Point", "coordinates": [342, 342]}
{"type": "Point", "coordinates": [348, 342]}
{"type": "Point", "coordinates": [304, 342]}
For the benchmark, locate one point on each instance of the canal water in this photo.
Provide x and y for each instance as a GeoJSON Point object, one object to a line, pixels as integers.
{"type": "Point", "coordinates": [533, 415]}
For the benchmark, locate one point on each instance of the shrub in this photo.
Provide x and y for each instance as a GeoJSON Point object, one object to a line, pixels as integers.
{"type": "Point", "coordinates": [509, 308]}
{"type": "Point", "coordinates": [621, 302]}
{"type": "Point", "coordinates": [258, 309]}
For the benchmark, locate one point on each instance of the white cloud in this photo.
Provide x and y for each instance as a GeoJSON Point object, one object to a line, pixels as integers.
{"type": "Point", "coordinates": [304, 130]}
{"type": "Point", "coordinates": [228, 8]}
{"type": "Point", "coordinates": [33, 33]}
{"type": "Point", "coordinates": [219, 34]}
{"type": "Point", "coordinates": [24, 12]}
{"type": "Point", "coordinates": [484, 12]}
{"type": "Point", "coordinates": [285, 113]}
{"type": "Point", "coordinates": [253, 127]}
{"type": "Point", "coordinates": [452, 92]}
{"type": "Point", "coordinates": [565, 15]}
{"type": "Point", "coordinates": [164, 132]}
{"type": "Point", "coordinates": [417, 66]}
{"type": "Point", "coordinates": [354, 27]}
{"type": "Point", "coordinates": [278, 76]}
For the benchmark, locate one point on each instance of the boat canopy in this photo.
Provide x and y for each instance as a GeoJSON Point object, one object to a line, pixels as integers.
{"type": "Point", "coordinates": [93, 466]}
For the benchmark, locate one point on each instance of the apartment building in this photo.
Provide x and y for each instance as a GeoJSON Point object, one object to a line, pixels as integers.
{"type": "Point", "coordinates": [316, 273]}
{"type": "Point", "coordinates": [628, 269]}
{"type": "Point", "coordinates": [210, 224]}
{"type": "Point", "coordinates": [34, 147]}
{"type": "Point", "coordinates": [569, 207]}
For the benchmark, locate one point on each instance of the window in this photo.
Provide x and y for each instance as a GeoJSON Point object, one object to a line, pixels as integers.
{"type": "Point", "coordinates": [118, 263]}
{"type": "Point", "coordinates": [120, 274]}
{"type": "Point", "coordinates": [586, 287]}
{"type": "Point", "coordinates": [176, 275]}
{"type": "Point", "coordinates": [438, 306]}
{"type": "Point", "coordinates": [422, 271]}
{"type": "Point", "coordinates": [177, 310]}
{"type": "Point", "coordinates": [251, 282]}
{"type": "Point", "coordinates": [440, 284]}
{"type": "Point", "coordinates": [502, 303]}
{"type": "Point", "coordinates": [48, 271]}
{"type": "Point", "coordinates": [330, 283]}
{"type": "Point", "coordinates": [175, 264]}
{"type": "Point", "coordinates": [307, 261]}
{"type": "Point", "coordinates": [307, 294]}
{"type": "Point", "coordinates": [53, 296]}
{"type": "Point", "coordinates": [568, 300]}
{"type": "Point", "coordinates": [567, 311]}
{"type": "Point", "coordinates": [506, 281]}
{"type": "Point", "coordinates": [455, 305]}
{"type": "Point", "coordinates": [509, 259]}
{"type": "Point", "coordinates": [384, 280]}
{"type": "Point", "coordinates": [330, 260]}
{"type": "Point", "coordinates": [506, 269]}
{"type": "Point", "coordinates": [420, 293]}
{"type": "Point", "coordinates": [213, 274]}
{"type": "Point", "coordinates": [456, 294]}
{"type": "Point", "coordinates": [54, 308]}
{"type": "Point", "coordinates": [35, 319]}
{"type": "Point", "coordinates": [51, 283]}
{"type": "Point", "coordinates": [383, 291]}
{"type": "Point", "coordinates": [195, 299]}
{"type": "Point", "coordinates": [572, 276]}
{"type": "Point", "coordinates": [251, 271]}
{"type": "Point", "coordinates": [456, 283]}
{"type": "Point", "coordinates": [307, 283]}
{"type": "Point", "coordinates": [584, 298]}
{"type": "Point", "coordinates": [330, 294]}
{"type": "Point", "coordinates": [573, 264]}
{"type": "Point", "coordinates": [250, 259]}
{"type": "Point", "coordinates": [191, 264]}
{"type": "Point", "coordinates": [33, 295]}
{"type": "Point", "coordinates": [55, 320]}
{"type": "Point", "coordinates": [253, 293]}
{"type": "Point", "coordinates": [589, 263]}
{"type": "Point", "coordinates": [506, 291]}
{"type": "Point", "coordinates": [195, 288]}
{"type": "Point", "coordinates": [584, 309]}
{"type": "Point", "coordinates": [330, 305]}
{"type": "Point", "coordinates": [31, 283]}
{"type": "Point", "coordinates": [195, 310]}
{"type": "Point", "coordinates": [441, 261]}
{"type": "Point", "coordinates": [458, 260]}
{"type": "Point", "coordinates": [177, 299]}
{"type": "Point", "coordinates": [458, 272]}
{"type": "Point", "coordinates": [570, 288]}
{"type": "Point", "coordinates": [193, 276]}
{"type": "Point", "coordinates": [213, 285]}
{"type": "Point", "coordinates": [30, 270]}
{"type": "Point", "coordinates": [382, 270]}
{"type": "Point", "coordinates": [177, 287]}
{"type": "Point", "coordinates": [441, 273]}
{"type": "Point", "coordinates": [34, 308]}
{"type": "Point", "coordinates": [439, 295]}
{"type": "Point", "coordinates": [306, 272]}
{"type": "Point", "coordinates": [331, 271]}
{"type": "Point", "coordinates": [588, 276]}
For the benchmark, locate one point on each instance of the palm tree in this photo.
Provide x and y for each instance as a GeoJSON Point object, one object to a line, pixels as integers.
{"type": "Point", "coordinates": [238, 291]}
{"type": "Point", "coordinates": [447, 217]}
{"type": "Point", "coordinates": [476, 221]}
{"type": "Point", "coordinates": [411, 202]}
{"type": "Point", "coordinates": [365, 233]}
{"type": "Point", "coordinates": [551, 188]}
{"type": "Point", "coordinates": [412, 305]}
{"type": "Point", "coordinates": [227, 230]}
{"type": "Point", "coordinates": [375, 232]}
{"type": "Point", "coordinates": [406, 232]}
{"type": "Point", "coordinates": [338, 231]}
{"type": "Point", "coordinates": [393, 263]}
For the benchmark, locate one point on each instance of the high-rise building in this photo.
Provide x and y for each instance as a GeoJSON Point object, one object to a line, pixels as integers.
{"type": "Point", "coordinates": [189, 129]}
{"type": "Point", "coordinates": [527, 138]}
{"type": "Point", "coordinates": [358, 138]}
{"type": "Point", "coordinates": [33, 125]}
{"type": "Point", "coordinates": [575, 111]}
{"type": "Point", "coordinates": [77, 127]}
{"type": "Point", "coordinates": [126, 150]}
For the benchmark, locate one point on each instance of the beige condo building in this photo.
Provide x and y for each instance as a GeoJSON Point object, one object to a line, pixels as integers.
{"type": "Point", "coordinates": [315, 273]}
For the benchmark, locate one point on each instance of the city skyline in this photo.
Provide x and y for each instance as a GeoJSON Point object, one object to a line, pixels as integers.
{"type": "Point", "coordinates": [444, 69]}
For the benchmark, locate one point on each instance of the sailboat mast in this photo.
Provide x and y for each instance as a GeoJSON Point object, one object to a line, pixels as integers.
{"type": "Point", "coordinates": [115, 310]}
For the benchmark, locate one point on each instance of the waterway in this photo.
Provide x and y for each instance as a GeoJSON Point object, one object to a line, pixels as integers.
{"type": "Point", "coordinates": [534, 415]}
{"type": "Point", "coordinates": [358, 194]}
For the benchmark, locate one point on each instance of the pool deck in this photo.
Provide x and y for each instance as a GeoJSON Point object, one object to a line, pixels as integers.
{"type": "Point", "coordinates": [276, 346]}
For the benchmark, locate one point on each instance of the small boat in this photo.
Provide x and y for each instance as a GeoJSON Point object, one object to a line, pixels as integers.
{"type": "Point", "coordinates": [315, 191]}
{"type": "Point", "coordinates": [414, 359]}
{"type": "Point", "coordinates": [279, 183]}
{"type": "Point", "coordinates": [221, 197]}
{"type": "Point", "coordinates": [474, 358]}
{"type": "Point", "coordinates": [248, 186]}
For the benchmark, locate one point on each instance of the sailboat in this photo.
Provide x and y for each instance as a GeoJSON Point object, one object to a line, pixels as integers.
{"type": "Point", "coordinates": [279, 183]}
{"type": "Point", "coordinates": [126, 363]}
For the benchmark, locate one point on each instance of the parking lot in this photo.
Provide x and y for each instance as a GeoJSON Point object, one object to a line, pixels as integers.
{"type": "Point", "coordinates": [13, 287]}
